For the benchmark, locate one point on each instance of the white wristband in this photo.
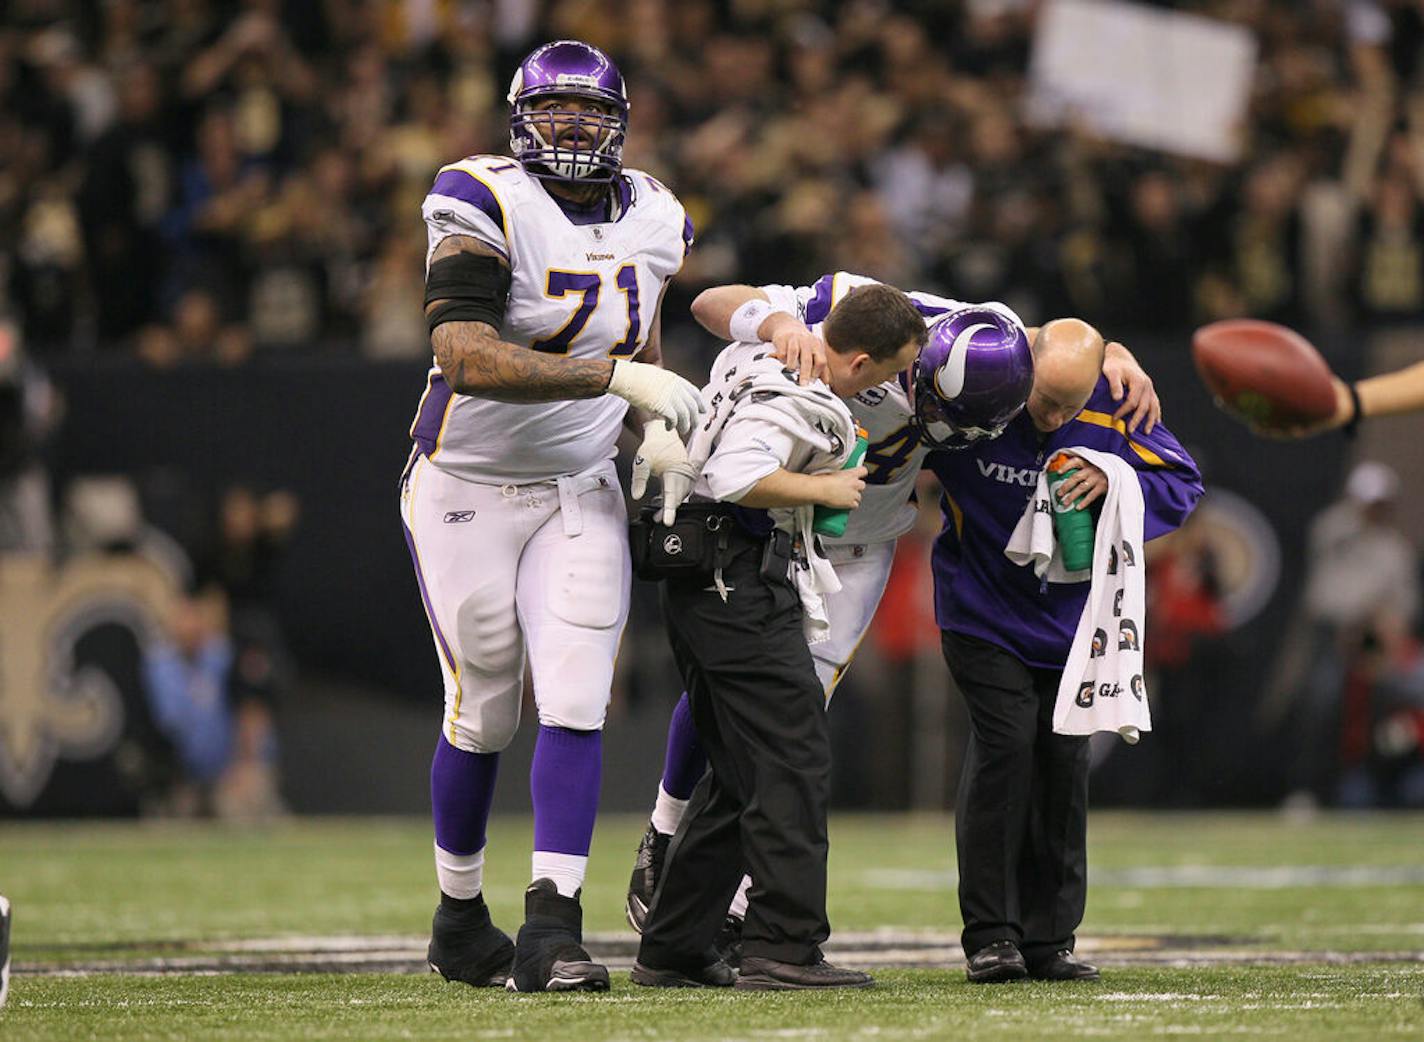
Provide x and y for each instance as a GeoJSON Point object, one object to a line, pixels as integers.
{"type": "Point", "coordinates": [746, 321]}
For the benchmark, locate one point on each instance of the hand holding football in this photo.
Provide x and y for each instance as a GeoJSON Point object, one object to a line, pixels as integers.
{"type": "Point", "coordinates": [1264, 374]}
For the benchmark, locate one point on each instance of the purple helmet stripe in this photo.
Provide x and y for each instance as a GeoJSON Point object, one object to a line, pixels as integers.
{"type": "Point", "coordinates": [460, 184]}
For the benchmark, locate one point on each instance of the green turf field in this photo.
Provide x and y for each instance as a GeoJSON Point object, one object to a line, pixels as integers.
{"type": "Point", "coordinates": [1206, 925]}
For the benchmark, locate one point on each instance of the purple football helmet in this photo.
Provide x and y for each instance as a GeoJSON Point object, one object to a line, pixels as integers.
{"type": "Point", "coordinates": [568, 67]}
{"type": "Point", "coordinates": [971, 378]}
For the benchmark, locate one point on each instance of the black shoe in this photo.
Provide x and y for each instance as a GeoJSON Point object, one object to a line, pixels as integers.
{"type": "Point", "coordinates": [647, 870]}
{"type": "Point", "coordinates": [1063, 965]}
{"type": "Point", "coordinates": [759, 974]}
{"type": "Point", "coordinates": [466, 946]}
{"type": "Point", "coordinates": [729, 942]}
{"type": "Point", "coordinates": [1000, 961]}
{"type": "Point", "coordinates": [712, 973]}
{"type": "Point", "coordinates": [4, 950]}
{"type": "Point", "coordinates": [549, 953]}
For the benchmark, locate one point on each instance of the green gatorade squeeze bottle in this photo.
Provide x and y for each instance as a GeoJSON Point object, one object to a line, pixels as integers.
{"type": "Point", "coordinates": [832, 521]}
{"type": "Point", "coordinates": [1074, 528]}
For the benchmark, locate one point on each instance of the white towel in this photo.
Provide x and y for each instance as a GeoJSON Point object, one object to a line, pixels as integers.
{"type": "Point", "coordinates": [1103, 686]}
{"type": "Point", "coordinates": [759, 389]}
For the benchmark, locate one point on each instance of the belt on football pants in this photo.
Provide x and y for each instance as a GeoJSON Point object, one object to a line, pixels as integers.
{"type": "Point", "coordinates": [571, 486]}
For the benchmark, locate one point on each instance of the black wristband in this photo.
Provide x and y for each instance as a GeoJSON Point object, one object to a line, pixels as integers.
{"type": "Point", "coordinates": [1353, 424]}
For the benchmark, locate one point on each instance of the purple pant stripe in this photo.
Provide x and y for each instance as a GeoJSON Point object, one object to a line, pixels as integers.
{"type": "Point", "coordinates": [425, 598]}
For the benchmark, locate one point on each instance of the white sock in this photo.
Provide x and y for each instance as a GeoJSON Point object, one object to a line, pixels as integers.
{"type": "Point", "coordinates": [566, 870]}
{"type": "Point", "coordinates": [739, 903]}
{"type": "Point", "coordinates": [460, 875]}
{"type": "Point", "coordinates": [667, 812]}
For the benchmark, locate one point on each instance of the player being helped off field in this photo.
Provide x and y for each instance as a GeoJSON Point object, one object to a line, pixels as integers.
{"type": "Point", "coordinates": [545, 276]}
{"type": "Point", "coordinates": [971, 379]}
{"type": "Point", "coordinates": [769, 452]}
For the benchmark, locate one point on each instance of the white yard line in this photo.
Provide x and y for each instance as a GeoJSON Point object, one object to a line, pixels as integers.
{"type": "Point", "coordinates": [1168, 877]}
{"type": "Point", "coordinates": [873, 949]}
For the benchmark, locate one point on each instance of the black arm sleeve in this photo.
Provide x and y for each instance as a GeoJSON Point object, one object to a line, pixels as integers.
{"type": "Point", "coordinates": [470, 288]}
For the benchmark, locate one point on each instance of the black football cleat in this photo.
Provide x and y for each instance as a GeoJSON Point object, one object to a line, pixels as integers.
{"type": "Point", "coordinates": [466, 946]}
{"type": "Point", "coordinates": [758, 974]}
{"type": "Point", "coordinates": [647, 870]}
{"type": "Point", "coordinates": [549, 953]}
{"type": "Point", "coordinates": [728, 944]}
{"type": "Point", "coordinates": [1063, 965]}
{"type": "Point", "coordinates": [996, 963]}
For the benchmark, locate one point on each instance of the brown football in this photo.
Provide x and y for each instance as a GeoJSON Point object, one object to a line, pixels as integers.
{"type": "Point", "coordinates": [1263, 373]}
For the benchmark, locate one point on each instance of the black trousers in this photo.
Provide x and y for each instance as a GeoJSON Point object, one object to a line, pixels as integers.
{"type": "Point", "coordinates": [762, 807]}
{"type": "Point", "coordinates": [1021, 824]}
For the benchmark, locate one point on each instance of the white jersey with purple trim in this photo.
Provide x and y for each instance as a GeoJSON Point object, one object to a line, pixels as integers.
{"type": "Point", "coordinates": [896, 451]}
{"type": "Point", "coordinates": [581, 290]}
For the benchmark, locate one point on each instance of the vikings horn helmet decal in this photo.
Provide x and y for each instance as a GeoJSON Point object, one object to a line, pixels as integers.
{"type": "Point", "coordinates": [590, 146]}
{"type": "Point", "coordinates": [971, 378]}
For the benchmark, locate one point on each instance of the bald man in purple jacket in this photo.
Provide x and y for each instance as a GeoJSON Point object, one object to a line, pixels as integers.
{"type": "Point", "coordinates": [1021, 820]}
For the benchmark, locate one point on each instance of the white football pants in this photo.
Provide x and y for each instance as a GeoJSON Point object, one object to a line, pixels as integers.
{"type": "Point", "coordinates": [503, 568]}
{"type": "Point", "coordinates": [863, 569]}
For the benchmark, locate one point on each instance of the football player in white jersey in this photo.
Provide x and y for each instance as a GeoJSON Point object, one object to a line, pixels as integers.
{"type": "Point", "coordinates": [983, 349]}
{"type": "Point", "coordinates": [545, 276]}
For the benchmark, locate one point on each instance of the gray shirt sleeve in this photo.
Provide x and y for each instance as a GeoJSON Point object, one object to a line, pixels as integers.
{"type": "Point", "coordinates": [747, 451]}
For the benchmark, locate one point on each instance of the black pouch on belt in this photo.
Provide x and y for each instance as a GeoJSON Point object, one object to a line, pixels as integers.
{"type": "Point", "coordinates": [776, 557]}
{"type": "Point", "coordinates": [695, 543]}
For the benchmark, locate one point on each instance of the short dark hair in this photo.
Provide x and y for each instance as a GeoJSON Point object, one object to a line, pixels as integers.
{"type": "Point", "coordinates": [876, 319]}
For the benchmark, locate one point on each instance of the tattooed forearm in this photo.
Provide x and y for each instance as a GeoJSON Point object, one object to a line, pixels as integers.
{"type": "Point", "coordinates": [476, 362]}
{"type": "Point", "coordinates": [453, 244]}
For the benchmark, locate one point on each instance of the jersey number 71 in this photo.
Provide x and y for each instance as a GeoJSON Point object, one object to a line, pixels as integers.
{"type": "Point", "coordinates": [588, 284]}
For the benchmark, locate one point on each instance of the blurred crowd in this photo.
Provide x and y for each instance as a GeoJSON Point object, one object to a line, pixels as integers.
{"type": "Point", "coordinates": [213, 178]}
{"type": "Point", "coordinates": [1353, 671]}
{"type": "Point", "coordinates": [204, 670]}
{"type": "Point", "coordinates": [215, 676]}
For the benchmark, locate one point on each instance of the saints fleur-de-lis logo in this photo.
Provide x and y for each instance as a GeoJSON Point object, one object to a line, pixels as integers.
{"type": "Point", "coordinates": [50, 706]}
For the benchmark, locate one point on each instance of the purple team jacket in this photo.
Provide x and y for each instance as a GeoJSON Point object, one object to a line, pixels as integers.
{"type": "Point", "coordinates": [981, 593]}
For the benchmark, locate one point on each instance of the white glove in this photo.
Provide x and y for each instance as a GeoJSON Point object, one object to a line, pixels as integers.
{"type": "Point", "coordinates": [658, 390]}
{"type": "Point", "coordinates": [663, 455]}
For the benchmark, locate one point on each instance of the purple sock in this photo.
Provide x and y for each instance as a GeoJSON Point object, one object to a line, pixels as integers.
{"type": "Point", "coordinates": [684, 762]}
{"type": "Point", "coordinates": [564, 781]}
{"type": "Point", "coordinates": [461, 788]}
